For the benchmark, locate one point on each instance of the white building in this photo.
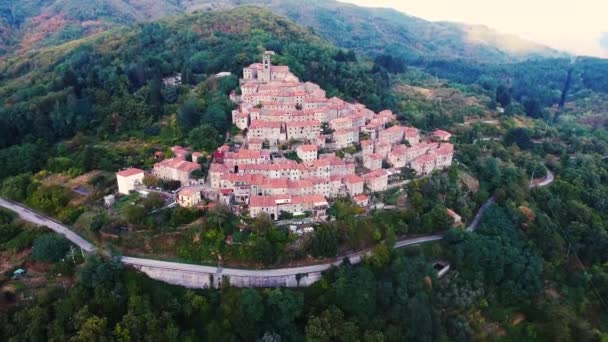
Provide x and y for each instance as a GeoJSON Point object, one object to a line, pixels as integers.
{"type": "Point", "coordinates": [307, 153]}
{"type": "Point", "coordinates": [128, 179]}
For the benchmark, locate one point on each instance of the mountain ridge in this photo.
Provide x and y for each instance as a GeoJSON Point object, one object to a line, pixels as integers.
{"type": "Point", "coordinates": [36, 23]}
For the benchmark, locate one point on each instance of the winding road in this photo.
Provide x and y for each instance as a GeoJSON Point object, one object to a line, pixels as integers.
{"type": "Point", "coordinates": [219, 271]}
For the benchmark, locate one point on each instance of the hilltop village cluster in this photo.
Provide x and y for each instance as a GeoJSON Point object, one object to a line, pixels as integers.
{"type": "Point", "coordinates": [279, 115]}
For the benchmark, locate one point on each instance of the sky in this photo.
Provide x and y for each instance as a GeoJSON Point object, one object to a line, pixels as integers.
{"type": "Point", "coordinates": [576, 26]}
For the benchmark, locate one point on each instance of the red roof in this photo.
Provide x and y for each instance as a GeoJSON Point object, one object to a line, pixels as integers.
{"type": "Point", "coordinates": [376, 174]}
{"type": "Point", "coordinates": [353, 179]}
{"type": "Point", "coordinates": [308, 148]}
{"type": "Point", "coordinates": [425, 159]}
{"type": "Point", "coordinates": [265, 124]}
{"type": "Point", "coordinates": [360, 198]}
{"type": "Point", "coordinates": [442, 134]}
{"type": "Point", "coordinates": [179, 164]}
{"type": "Point", "coordinates": [129, 172]}
{"type": "Point", "coordinates": [307, 123]}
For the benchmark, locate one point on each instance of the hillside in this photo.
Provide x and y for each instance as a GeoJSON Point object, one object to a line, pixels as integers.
{"type": "Point", "coordinates": [111, 83]}
{"type": "Point", "coordinates": [34, 23]}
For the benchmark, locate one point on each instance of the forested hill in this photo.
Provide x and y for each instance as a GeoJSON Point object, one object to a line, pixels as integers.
{"type": "Point", "coordinates": [111, 83]}
{"type": "Point", "coordinates": [30, 24]}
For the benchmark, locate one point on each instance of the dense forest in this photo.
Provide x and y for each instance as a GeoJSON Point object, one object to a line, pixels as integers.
{"type": "Point", "coordinates": [534, 270]}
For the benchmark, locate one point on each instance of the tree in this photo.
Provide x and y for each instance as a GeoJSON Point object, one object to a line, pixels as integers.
{"type": "Point", "coordinates": [16, 188]}
{"type": "Point", "coordinates": [520, 137]}
{"type": "Point", "coordinates": [151, 181]}
{"type": "Point", "coordinates": [153, 201]}
{"type": "Point", "coordinates": [283, 307]}
{"type": "Point", "coordinates": [503, 96]}
{"type": "Point", "coordinates": [134, 214]}
{"type": "Point", "coordinates": [251, 313]}
{"type": "Point", "coordinates": [533, 108]}
{"type": "Point", "coordinates": [325, 241]}
{"type": "Point", "coordinates": [50, 248]}
{"type": "Point", "coordinates": [205, 138]}
{"type": "Point", "coordinates": [189, 114]}
{"type": "Point", "coordinates": [331, 326]}
{"type": "Point", "coordinates": [355, 292]}
{"type": "Point", "coordinates": [436, 220]}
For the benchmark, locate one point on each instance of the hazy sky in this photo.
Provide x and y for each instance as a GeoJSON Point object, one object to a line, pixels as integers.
{"type": "Point", "coordinates": [576, 26]}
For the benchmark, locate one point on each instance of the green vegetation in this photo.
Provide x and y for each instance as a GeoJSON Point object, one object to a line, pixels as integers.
{"type": "Point", "coordinates": [50, 248]}
{"type": "Point", "coordinates": [535, 269]}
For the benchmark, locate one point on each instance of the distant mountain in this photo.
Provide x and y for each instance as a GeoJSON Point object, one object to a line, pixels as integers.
{"type": "Point", "coordinates": [28, 24]}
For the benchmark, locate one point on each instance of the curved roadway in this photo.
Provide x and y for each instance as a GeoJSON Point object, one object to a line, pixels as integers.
{"type": "Point", "coordinates": [31, 216]}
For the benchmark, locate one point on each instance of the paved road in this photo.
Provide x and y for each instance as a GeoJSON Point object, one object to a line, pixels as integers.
{"type": "Point", "coordinates": [278, 272]}
{"type": "Point", "coordinates": [29, 215]}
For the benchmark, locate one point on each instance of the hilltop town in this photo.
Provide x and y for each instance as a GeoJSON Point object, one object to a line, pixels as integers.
{"type": "Point", "coordinates": [300, 150]}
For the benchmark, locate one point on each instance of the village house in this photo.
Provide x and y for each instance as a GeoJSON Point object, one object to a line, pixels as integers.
{"type": "Point", "coordinates": [179, 151]}
{"type": "Point", "coordinates": [361, 200]}
{"type": "Point", "coordinates": [129, 179]}
{"type": "Point", "coordinates": [354, 184]}
{"type": "Point", "coordinates": [372, 161]}
{"type": "Point", "coordinates": [391, 135]}
{"type": "Point", "coordinates": [273, 205]}
{"type": "Point", "coordinates": [423, 165]}
{"type": "Point", "coordinates": [245, 156]}
{"type": "Point", "coordinates": [240, 119]}
{"type": "Point", "coordinates": [444, 155]}
{"type": "Point", "coordinates": [272, 132]}
{"type": "Point", "coordinates": [255, 144]}
{"type": "Point", "coordinates": [307, 153]}
{"type": "Point", "coordinates": [383, 148]}
{"type": "Point", "coordinates": [189, 197]}
{"type": "Point", "coordinates": [303, 130]}
{"type": "Point", "coordinates": [376, 180]}
{"type": "Point", "coordinates": [402, 155]}
{"type": "Point", "coordinates": [367, 147]}
{"type": "Point", "coordinates": [442, 135]}
{"type": "Point", "coordinates": [345, 137]}
{"type": "Point", "coordinates": [176, 169]}
{"type": "Point", "coordinates": [411, 135]}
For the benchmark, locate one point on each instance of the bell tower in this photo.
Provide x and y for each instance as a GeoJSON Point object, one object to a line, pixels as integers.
{"type": "Point", "coordinates": [267, 65]}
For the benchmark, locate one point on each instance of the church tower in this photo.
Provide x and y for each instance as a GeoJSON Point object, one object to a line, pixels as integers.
{"type": "Point", "coordinates": [267, 65]}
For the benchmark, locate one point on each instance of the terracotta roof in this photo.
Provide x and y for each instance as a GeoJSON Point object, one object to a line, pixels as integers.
{"type": "Point", "coordinates": [129, 172]}
{"type": "Point", "coordinates": [248, 154]}
{"type": "Point", "coordinates": [306, 123]}
{"type": "Point", "coordinates": [264, 124]}
{"type": "Point", "coordinates": [353, 179]}
{"type": "Point", "coordinates": [189, 191]}
{"type": "Point", "coordinates": [441, 133]}
{"type": "Point", "coordinates": [360, 198]}
{"type": "Point", "coordinates": [215, 167]}
{"type": "Point", "coordinates": [314, 199]}
{"type": "Point", "coordinates": [345, 131]}
{"type": "Point", "coordinates": [376, 174]}
{"type": "Point", "coordinates": [411, 131]}
{"type": "Point", "coordinates": [178, 163]}
{"type": "Point", "coordinates": [393, 129]}
{"type": "Point", "coordinates": [308, 148]}
{"type": "Point", "coordinates": [375, 156]}
{"type": "Point", "coordinates": [264, 201]}
{"type": "Point", "coordinates": [445, 149]}
{"type": "Point", "coordinates": [279, 68]}
{"type": "Point", "coordinates": [425, 159]}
